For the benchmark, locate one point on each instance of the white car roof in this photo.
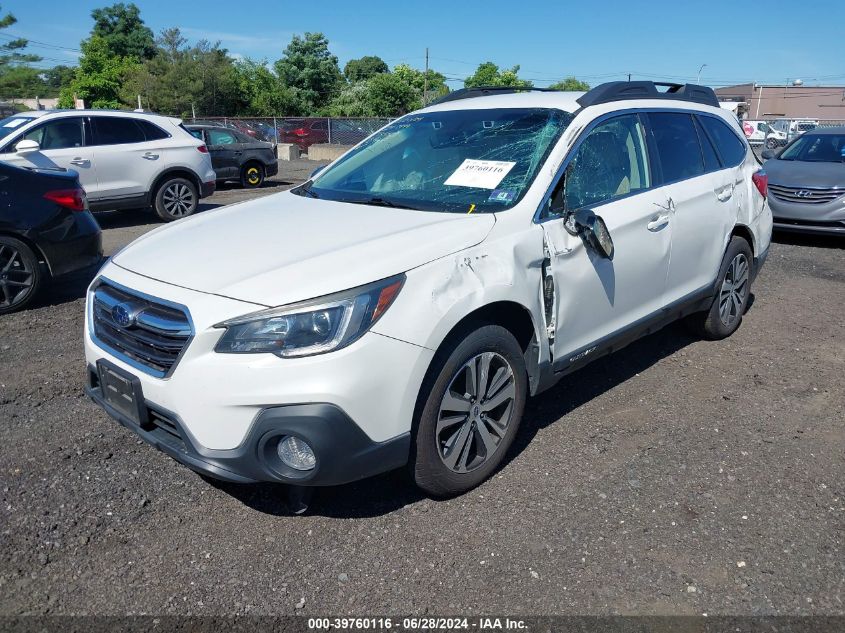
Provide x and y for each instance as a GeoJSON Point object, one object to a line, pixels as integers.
{"type": "Point", "coordinates": [119, 113]}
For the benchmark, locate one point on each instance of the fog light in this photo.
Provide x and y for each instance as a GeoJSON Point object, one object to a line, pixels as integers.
{"type": "Point", "coordinates": [296, 453]}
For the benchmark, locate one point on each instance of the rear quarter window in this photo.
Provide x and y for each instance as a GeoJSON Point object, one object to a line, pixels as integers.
{"type": "Point", "coordinates": [728, 145]}
{"type": "Point", "coordinates": [152, 132]}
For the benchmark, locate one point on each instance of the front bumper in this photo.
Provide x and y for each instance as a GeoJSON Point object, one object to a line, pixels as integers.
{"type": "Point", "coordinates": [344, 452]}
{"type": "Point", "coordinates": [217, 403]}
{"type": "Point", "coordinates": [803, 217]}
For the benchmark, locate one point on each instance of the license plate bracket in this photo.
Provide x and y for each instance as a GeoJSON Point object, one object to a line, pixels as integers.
{"type": "Point", "coordinates": [122, 391]}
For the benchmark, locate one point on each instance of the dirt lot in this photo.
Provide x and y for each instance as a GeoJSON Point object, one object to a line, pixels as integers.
{"type": "Point", "coordinates": [677, 476]}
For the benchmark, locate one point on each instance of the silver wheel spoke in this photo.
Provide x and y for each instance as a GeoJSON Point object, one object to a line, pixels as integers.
{"type": "Point", "coordinates": [452, 402]}
{"type": "Point", "coordinates": [466, 434]}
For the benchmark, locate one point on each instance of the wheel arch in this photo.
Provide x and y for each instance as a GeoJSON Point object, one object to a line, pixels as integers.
{"type": "Point", "coordinates": [39, 252]}
{"type": "Point", "coordinates": [745, 232]}
{"type": "Point", "coordinates": [174, 172]}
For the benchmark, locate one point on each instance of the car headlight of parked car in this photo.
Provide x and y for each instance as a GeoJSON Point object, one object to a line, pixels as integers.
{"type": "Point", "coordinates": [310, 327]}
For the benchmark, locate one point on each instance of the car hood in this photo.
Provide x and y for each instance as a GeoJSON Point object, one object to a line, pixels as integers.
{"type": "Point", "coordinates": [796, 173]}
{"type": "Point", "coordinates": [285, 248]}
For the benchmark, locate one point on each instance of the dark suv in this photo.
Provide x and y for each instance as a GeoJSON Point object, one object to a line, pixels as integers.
{"type": "Point", "coordinates": [236, 156]}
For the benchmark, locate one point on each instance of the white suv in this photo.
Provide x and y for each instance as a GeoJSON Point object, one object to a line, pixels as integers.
{"type": "Point", "coordinates": [124, 159]}
{"type": "Point", "coordinates": [401, 306]}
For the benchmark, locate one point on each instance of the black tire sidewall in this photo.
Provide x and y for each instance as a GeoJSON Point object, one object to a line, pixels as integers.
{"type": "Point", "coordinates": [244, 177]}
{"type": "Point", "coordinates": [427, 469]}
{"type": "Point", "coordinates": [26, 253]}
{"type": "Point", "coordinates": [158, 204]}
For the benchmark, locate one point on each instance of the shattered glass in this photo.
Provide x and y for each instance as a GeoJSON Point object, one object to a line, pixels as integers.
{"type": "Point", "coordinates": [408, 163]}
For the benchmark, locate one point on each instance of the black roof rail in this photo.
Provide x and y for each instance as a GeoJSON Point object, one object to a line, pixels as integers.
{"type": "Point", "coordinates": [484, 91]}
{"type": "Point", "coordinates": [625, 90]}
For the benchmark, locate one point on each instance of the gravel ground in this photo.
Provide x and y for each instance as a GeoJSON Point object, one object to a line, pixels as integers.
{"type": "Point", "coordinates": [676, 476]}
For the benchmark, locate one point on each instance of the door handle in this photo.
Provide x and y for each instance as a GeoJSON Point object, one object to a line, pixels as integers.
{"type": "Point", "coordinates": [658, 222]}
{"type": "Point", "coordinates": [82, 162]}
{"type": "Point", "coordinates": [725, 193]}
{"type": "Point", "coordinates": [150, 156]}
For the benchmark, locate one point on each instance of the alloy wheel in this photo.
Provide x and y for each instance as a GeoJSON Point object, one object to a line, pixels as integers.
{"type": "Point", "coordinates": [734, 290]}
{"type": "Point", "coordinates": [178, 200]}
{"type": "Point", "coordinates": [253, 177]}
{"type": "Point", "coordinates": [475, 412]}
{"type": "Point", "coordinates": [16, 277]}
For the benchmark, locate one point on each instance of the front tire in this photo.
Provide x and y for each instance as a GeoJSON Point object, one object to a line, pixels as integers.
{"type": "Point", "coordinates": [734, 288]}
{"type": "Point", "coordinates": [474, 400]}
{"type": "Point", "coordinates": [176, 198]}
{"type": "Point", "coordinates": [20, 275]}
{"type": "Point", "coordinates": [252, 176]}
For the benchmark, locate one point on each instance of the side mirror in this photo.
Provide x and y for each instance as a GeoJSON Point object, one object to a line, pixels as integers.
{"type": "Point", "coordinates": [767, 154]}
{"type": "Point", "coordinates": [27, 147]}
{"type": "Point", "coordinates": [592, 230]}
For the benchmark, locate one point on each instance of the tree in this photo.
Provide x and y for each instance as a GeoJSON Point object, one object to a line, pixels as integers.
{"type": "Point", "coordinates": [17, 79]}
{"type": "Point", "coordinates": [263, 92]}
{"type": "Point", "coordinates": [488, 74]}
{"type": "Point", "coordinates": [436, 83]}
{"type": "Point", "coordinates": [123, 31]}
{"type": "Point", "coordinates": [311, 71]}
{"type": "Point", "coordinates": [99, 77]}
{"type": "Point", "coordinates": [353, 100]}
{"type": "Point", "coordinates": [571, 84]}
{"type": "Point", "coordinates": [364, 68]}
{"type": "Point", "coordinates": [56, 78]}
{"type": "Point", "coordinates": [181, 79]}
{"type": "Point", "coordinates": [390, 95]}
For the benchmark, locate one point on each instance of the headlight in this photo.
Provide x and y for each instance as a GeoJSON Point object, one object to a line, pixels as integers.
{"type": "Point", "coordinates": [310, 327]}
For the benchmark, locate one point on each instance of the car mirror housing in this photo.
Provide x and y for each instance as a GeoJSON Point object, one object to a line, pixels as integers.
{"type": "Point", "coordinates": [27, 147]}
{"type": "Point", "coordinates": [592, 229]}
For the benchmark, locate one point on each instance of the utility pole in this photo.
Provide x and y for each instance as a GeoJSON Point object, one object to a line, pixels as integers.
{"type": "Point", "coordinates": [629, 77]}
{"type": "Point", "coordinates": [425, 79]}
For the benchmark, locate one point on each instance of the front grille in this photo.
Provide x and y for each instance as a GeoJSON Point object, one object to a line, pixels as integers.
{"type": "Point", "coordinates": [153, 334]}
{"type": "Point", "coordinates": [805, 194]}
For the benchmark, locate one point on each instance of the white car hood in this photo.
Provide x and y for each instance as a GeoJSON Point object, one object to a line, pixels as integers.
{"type": "Point", "coordinates": [285, 248]}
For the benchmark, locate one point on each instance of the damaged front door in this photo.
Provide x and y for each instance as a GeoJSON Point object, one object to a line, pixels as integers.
{"type": "Point", "coordinates": [593, 298]}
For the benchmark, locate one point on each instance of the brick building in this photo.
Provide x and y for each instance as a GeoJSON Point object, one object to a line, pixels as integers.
{"type": "Point", "coordinates": [768, 101]}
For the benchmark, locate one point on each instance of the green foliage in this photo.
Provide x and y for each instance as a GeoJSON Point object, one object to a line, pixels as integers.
{"type": "Point", "coordinates": [488, 74]}
{"type": "Point", "coordinates": [181, 79]}
{"type": "Point", "coordinates": [264, 94]}
{"type": "Point", "coordinates": [417, 80]}
{"type": "Point", "coordinates": [11, 51]}
{"type": "Point", "coordinates": [309, 69]}
{"type": "Point", "coordinates": [123, 31]}
{"type": "Point", "coordinates": [21, 82]}
{"type": "Point", "coordinates": [362, 69]}
{"type": "Point", "coordinates": [571, 84]}
{"type": "Point", "coordinates": [99, 77]}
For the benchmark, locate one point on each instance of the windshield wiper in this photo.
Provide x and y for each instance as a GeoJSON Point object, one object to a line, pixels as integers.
{"type": "Point", "coordinates": [306, 190]}
{"type": "Point", "coordinates": [381, 202]}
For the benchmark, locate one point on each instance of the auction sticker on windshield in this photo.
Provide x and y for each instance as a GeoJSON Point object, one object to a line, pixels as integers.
{"type": "Point", "coordinates": [484, 174]}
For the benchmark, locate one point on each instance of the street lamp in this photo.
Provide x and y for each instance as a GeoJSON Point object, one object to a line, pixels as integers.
{"type": "Point", "coordinates": [698, 79]}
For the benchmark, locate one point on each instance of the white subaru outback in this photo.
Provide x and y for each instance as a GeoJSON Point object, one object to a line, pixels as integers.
{"type": "Point", "coordinates": [399, 307]}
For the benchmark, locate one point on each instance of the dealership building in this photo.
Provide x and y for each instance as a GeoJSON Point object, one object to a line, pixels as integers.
{"type": "Point", "coordinates": [794, 100]}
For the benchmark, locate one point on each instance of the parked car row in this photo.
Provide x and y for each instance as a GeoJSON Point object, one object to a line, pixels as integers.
{"type": "Point", "coordinates": [777, 133]}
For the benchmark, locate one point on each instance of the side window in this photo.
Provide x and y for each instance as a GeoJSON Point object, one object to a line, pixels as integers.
{"type": "Point", "coordinates": [221, 137]}
{"type": "Point", "coordinates": [152, 132]}
{"type": "Point", "coordinates": [711, 159]}
{"type": "Point", "coordinates": [59, 134]}
{"type": "Point", "coordinates": [195, 133]}
{"type": "Point", "coordinates": [677, 145]}
{"type": "Point", "coordinates": [112, 130]}
{"type": "Point", "coordinates": [730, 148]}
{"type": "Point", "coordinates": [611, 162]}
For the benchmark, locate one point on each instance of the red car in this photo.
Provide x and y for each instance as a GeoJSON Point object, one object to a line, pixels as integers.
{"type": "Point", "coordinates": [304, 132]}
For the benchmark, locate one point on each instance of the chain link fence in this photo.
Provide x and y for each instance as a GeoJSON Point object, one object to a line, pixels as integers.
{"type": "Point", "coordinates": [302, 131]}
{"type": "Point", "coordinates": [774, 134]}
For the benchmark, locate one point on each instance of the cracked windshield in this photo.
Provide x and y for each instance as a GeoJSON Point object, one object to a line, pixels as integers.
{"type": "Point", "coordinates": [459, 161]}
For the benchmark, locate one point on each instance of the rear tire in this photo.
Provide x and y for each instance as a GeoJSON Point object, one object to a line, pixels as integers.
{"type": "Point", "coordinates": [20, 275]}
{"type": "Point", "coordinates": [474, 398]}
{"type": "Point", "coordinates": [734, 288]}
{"type": "Point", "coordinates": [252, 175]}
{"type": "Point", "coordinates": [176, 198]}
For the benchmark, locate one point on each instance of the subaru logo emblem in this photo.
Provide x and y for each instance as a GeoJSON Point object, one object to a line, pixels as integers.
{"type": "Point", "coordinates": [804, 193]}
{"type": "Point", "coordinates": [122, 315]}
